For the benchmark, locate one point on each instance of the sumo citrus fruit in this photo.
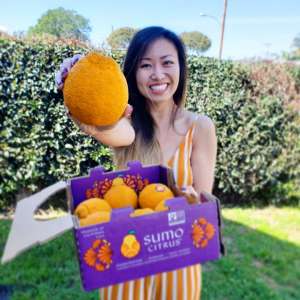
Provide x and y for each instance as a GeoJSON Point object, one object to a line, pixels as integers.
{"type": "Point", "coordinates": [121, 195]}
{"type": "Point", "coordinates": [90, 206]}
{"type": "Point", "coordinates": [154, 193]}
{"type": "Point", "coordinates": [96, 91]}
{"type": "Point", "coordinates": [95, 218]}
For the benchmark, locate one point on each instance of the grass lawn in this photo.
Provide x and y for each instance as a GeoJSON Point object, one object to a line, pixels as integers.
{"type": "Point", "coordinates": [262, 261]}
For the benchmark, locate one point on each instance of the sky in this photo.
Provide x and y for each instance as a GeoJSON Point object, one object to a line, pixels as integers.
{"type": "Point", "coordinates": [253, 28]}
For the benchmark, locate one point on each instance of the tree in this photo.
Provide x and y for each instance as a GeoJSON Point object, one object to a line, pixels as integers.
{"type": "Point", "coordinates": [62, 23]}
{"type": "Point", "coordinates": [196, 41]}
{"type": "Point", "coordinates": [121, 37]}
{"type": "Point", "coordinates": [294, 54]}
{"type": "Point", "coordinates": [296, 41]}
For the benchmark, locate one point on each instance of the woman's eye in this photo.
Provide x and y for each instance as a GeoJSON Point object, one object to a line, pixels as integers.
{"type": "Point", "coordinates": [145, 66]}
{"type": "Point", "coordinates": [168, 62]}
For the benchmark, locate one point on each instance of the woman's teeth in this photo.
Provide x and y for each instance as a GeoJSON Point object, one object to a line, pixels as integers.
{"type": "Point", "coordinates": [159, 87]}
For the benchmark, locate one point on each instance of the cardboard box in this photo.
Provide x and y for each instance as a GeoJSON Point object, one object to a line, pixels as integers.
{"type": "Point", "coordinates": [159, 242]}
{"type": "Point", "coordinates": [125, 248]}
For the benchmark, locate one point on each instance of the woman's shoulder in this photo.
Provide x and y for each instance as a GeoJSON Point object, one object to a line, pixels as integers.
{"type": "Point", "coordinates": [201, 121]}
{"type": "Point", "coordinates": [204, 128]}
{"type": "Point", "coordinates": [204, 136]}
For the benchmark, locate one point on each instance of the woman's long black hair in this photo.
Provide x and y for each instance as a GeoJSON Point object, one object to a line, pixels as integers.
{"type": "Point", "coordinates": [143, 122]}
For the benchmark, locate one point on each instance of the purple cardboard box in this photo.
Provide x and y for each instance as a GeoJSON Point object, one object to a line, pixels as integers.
{"type": "Point", "coordinates": [128, 248]}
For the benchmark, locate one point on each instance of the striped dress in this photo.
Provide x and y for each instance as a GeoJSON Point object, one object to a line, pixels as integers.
{"type": "Point", "coordinates": [182, 284]}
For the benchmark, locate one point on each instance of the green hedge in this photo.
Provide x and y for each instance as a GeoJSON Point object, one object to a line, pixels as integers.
{"type": "Point", "coordinates": [258, 153]}
{"type": "Point", "coordinates": [258, 132]}
{"type": "Point", "coordinates": [39, 144]}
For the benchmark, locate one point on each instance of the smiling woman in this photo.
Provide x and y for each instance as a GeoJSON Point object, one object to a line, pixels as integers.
{"type": "Point", "coordinates": [165, 133]}
{"type": "Point", "coordinates": [158, 71]}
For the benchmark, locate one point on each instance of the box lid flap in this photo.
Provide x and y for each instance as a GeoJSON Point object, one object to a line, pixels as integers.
{"type": "Point", "coordinates": [26, 232]}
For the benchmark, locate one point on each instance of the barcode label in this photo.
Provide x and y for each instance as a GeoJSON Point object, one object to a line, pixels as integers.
{"type": "Point", "coordinates": [176, 217]}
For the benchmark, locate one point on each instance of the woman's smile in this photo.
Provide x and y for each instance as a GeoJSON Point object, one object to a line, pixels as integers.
{"type": "Point", "coordinates": [158, 88]}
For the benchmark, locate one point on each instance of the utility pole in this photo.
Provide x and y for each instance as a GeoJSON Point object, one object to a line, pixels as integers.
{"type": "Point", "coordinates": [222, 29]}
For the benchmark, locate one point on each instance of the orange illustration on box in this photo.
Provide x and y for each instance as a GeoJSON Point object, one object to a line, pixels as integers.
{"type": "Point", "coordinates": [99, 256]}
{"type": "Point", "coordinates": [202, 232]}
{"type": "Point", "coordinates": [130, 246]}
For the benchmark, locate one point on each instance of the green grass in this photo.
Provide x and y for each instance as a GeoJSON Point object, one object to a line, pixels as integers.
{"type": "Point", "coordinates": [263, 256]}
{"type": "Point", "coordinates": [262, 261]}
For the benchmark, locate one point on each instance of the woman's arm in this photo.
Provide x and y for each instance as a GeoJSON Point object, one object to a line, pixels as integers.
{"type": "Point", "coordinates": [117, 135]}
{"type": "Point", "coordinates": [204, 152]}
{"type": "Point", "coordinates": [121, 134]}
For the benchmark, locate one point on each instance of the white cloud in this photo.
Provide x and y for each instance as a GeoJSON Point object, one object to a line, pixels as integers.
{"type": "Point", "coordinates": [3, 28]}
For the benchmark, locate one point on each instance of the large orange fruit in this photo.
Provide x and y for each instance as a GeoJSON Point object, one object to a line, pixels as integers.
{"type": "Point", "coordinates": [96, 91]}
{"type": "Point", "coordinates": [90, 206]}
{"type": "Point", "coordinates": [154, 193]}
{"type": "Point", "coordinates": [121, 195]}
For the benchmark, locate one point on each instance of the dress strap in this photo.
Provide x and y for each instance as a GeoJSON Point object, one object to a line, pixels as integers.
{"type": "Point", "coordinates": [181, 161]}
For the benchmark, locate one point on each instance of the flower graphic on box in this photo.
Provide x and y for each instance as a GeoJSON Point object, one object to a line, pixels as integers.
{"type": "Point", "coordinates": [100, 187]}
{"type": "Point", "coordinates": [136, 182]}
{"type": "Point", "coordinates": [99, 256]}
{"type": "Point", "coordinates": [130, 246]}
{"type": "Point", "coordinates": [202, 232]}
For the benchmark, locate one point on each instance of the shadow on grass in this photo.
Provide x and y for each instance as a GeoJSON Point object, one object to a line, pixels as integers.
{"type": "Point", "coordinates": [257, 266]}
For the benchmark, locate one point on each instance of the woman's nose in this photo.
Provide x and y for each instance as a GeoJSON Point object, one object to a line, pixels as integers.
{"type": "Point", "coordinates": [157, 74]}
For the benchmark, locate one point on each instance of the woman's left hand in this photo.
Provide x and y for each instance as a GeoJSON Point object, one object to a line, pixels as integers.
{"type": "Point", "coordinates": [189, 193]}
{"type": "Point", "coordinates": [64, 70]}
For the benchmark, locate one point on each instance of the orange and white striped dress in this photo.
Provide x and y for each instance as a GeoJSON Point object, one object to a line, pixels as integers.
{"type": "Point", "coordinates": [182, 284]}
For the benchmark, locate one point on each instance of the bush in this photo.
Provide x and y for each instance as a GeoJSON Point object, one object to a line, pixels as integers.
{"type": "Point", "coordinates": [257, 133]}
{"type": "Point", "coordinates": [39, 144]}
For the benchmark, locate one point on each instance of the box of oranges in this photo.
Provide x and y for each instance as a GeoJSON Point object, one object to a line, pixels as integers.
{"type": "Point", "coordinates": [131, 223]}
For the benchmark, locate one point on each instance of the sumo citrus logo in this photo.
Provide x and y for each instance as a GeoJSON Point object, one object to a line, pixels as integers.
{"type": "Point", "coordinates": [164, 239]}
{"type": "Point", "coordinates": [130, 245]}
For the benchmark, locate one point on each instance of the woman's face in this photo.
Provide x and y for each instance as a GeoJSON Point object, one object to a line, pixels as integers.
{"type": "Point", "coordinates": [157, 74]}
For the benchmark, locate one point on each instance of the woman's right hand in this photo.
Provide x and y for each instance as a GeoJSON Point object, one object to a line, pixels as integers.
{"type": "Point", "coordinates": [119, 134]}
{"type": "Point", "coordinates": [93, 130]}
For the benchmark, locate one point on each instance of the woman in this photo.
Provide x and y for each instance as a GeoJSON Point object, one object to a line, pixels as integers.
{"type": "Point", "coordinates": [165, 133]}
